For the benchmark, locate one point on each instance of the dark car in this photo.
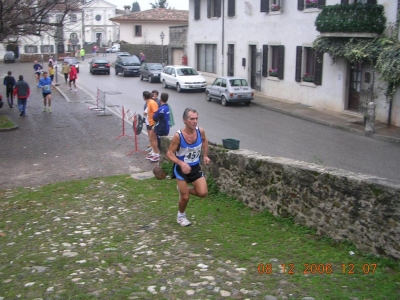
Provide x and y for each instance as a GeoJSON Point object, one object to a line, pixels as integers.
{"type": "Point", "coordinates": [127, 65]}
{"type": "Point", "coordinates": [99, 65]}
{"type": "Point", "coordinates": [73, 61]}
{"type": "Point", "coordinates": [151, 71]}
{"type": "Point", "coordinates": [9, 56]}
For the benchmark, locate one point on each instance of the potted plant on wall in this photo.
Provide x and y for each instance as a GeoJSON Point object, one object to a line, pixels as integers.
{"type": "Point", "coordinates": [275, 7]}
{"type": "Point", "coordinates": [273, 72]}
{"type": "Point", "coordinates": [308, 77]}
{"type": "Point", "coordinates": [311, 3]}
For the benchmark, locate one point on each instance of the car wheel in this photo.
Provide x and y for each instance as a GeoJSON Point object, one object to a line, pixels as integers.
{"type": "Point", "coordinates": [208, 97]}
{"type": "Point", "coordinates": [141, 77]}
{"type": "Point", "coordinates": [165, 85]}
{"type": "Point", "coordinates": [150, 79]}
{"type": "Point", "coordinates": [247, 103]}
{"type": "Point", "coordinates": [178, 88]}
{"type": "Point", "coordinates": [116, 72]}
{"type": "Point", "coordinates": [223, 101]}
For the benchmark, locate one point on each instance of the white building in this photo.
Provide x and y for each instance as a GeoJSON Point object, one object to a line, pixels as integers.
{"type": "Point", "coordinates": [269, 43]}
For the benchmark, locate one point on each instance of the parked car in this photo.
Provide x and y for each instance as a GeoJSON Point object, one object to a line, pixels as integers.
{"type": "Point", "coordinates": [123, 54]}
{"type": "Point", "coordinates": [230, 89]}
{"type": "Point", "coordinates": [151, 71]}
{"type": "Point", "coordinates": [182, 78]}
{"type": "Point", "coordinates": [127, 65]}
{"type": "Point", "coordinates": [113, 48]}
{"type": "Point", "coordinates": [99, 65]}
{"type": "Point", "coordinates": [9, 56]}
{"type": "Point", "coordinates": [72, 60]}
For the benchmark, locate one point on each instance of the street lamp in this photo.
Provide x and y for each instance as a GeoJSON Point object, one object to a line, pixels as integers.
{"type": "Point", "coordinates": [55, 59]}
{"type": "Point", "coordinates": [41, 50]}
{"type": "Point", "coordinates": [162, 35]}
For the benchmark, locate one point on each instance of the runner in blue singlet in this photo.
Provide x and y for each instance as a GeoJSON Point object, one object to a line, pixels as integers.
{"type": "Point", "coordinates": [184, 151]}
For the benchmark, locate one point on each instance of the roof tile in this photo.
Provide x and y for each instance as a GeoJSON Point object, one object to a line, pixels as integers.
{"type": "Point", "coordinates": [155, 14]}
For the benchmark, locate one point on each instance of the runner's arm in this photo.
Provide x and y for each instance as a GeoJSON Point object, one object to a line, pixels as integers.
{"type": "Point", "coordinates": [204, 146]}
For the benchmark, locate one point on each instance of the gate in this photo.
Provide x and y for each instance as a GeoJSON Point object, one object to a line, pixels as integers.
{"type": "Point", "coordinates": [361, 87]}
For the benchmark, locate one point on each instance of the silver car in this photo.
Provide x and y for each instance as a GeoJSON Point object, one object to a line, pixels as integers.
{"type": "Point", "coordinates": [230, 90]}
{"type": "Point", "coordinates": [151, 71]}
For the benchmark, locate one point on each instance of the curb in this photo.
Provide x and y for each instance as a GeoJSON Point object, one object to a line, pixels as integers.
{"type": "Point", "coordinates": [14, 127]}
{"type": "Point", "coordinates": [337, 126]}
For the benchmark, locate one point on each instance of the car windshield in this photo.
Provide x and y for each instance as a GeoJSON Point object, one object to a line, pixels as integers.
{"type": "Point", "coordinates": [130, 61]}
{"type": "Point", "coordinates": [186, 72]}
{"type": "Point", "coordinates": [238, 82]}
{"type": "Point", "coordinates": [100, 61]}
{"type": "Point", "coordinates": [154, 67]}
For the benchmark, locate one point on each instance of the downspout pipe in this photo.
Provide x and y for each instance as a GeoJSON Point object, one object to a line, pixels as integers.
{"type": "Point", "coordinates": [223, 36]}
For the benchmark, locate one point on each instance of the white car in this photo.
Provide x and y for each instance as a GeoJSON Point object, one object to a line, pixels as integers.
{"type": "Point", "coordinates": [182, 78]}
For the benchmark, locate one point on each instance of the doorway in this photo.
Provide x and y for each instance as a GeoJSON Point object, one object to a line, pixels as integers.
{"type": "Point", "coordinates": [361, 87]}
{"type": "Point", "coordinates": [231, 60]}
{"type": "Point", "coordinates": [255, 68]}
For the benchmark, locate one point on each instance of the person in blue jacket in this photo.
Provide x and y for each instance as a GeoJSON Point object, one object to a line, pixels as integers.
{"type": "Point", "coordinates": [45, 85]}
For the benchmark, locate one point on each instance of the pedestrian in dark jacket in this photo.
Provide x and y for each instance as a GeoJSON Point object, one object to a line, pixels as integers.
{"type": "Point", "coordinates": [9, 82]}
{"type": "Point", "coordinates": [22, 91]}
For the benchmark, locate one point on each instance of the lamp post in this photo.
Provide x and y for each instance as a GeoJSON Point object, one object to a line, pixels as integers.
{"type": "Point", "coordinates": [55, 59]}
{"type": "Point", "coordinates": [41, 50]}
{"type": "Point", "coordinates": [162, 35]}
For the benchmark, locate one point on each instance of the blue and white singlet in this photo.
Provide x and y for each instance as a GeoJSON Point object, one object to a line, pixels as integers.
{"type": "Point", "coordinates": [189, 153]}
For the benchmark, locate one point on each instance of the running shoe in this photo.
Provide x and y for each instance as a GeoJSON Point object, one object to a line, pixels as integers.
{"type": "Point", "coordinates": [155, 158]}
{"type": "Point", "coordinates": [183, 221]}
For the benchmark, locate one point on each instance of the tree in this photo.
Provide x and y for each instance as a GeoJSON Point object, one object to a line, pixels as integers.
{"type": "Point", "coordinates": [160, 4]}
{"type": "Point", "coordinates": [135, 7]}
{"type": "Point", "coordinates": [32, 17]}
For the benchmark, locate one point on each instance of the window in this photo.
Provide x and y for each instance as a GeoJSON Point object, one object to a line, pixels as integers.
{"type": "Point", "coordinates": [231, 8]}
{"type": "Point", "coordinates": [270, 5]}
{"type": "Point", "coordinates": [308, 65]}
{"type": "Point", "coordinates": [138, 30]}
{"type": "Point", "coordinates": [47, 48]}
{"type": "Point", "coordinates": [213, 8]}
{"type": "Point", "coordinates": [31, 49]}
{"type": "Point", "coordinates": [358, 1]}
{"type": "Point", "coordinates": [197, 9]}
{"type": "Point", "coordinates": [273, 61]}
{"type": "Point", "coordinates": [97, 17]}
{"type": "Point", "coordinates": [275, 5]}
{"type": "Point", "coordinates": [207, 57]}
{"type": "Point", "coordinates": [305, 4]}
{"type": "Point", "coordinates": [72, 18]}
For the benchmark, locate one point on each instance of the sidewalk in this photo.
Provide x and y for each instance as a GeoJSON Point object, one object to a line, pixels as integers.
{"type": "Point", "coordinates": [341, 120]}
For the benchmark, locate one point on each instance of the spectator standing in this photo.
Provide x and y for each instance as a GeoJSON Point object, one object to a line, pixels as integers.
{"type": "Point", "coordinates": [162, 117]}
{"type": "Point", "coordinates": [105, 51]}
{"type": "Point", "coordinates": [77, 53]}
{"type": "Point", "coordinates": [22, 91]}
{"type": "Point", "coordinates": [142, 57]}
{"type": "Point", "coordinates": [73, 75]}
{"type": "Point", "coordinates": [45, 85]}
{"type": "Point", "coordinates": [9, 82]}
{"type": "Point", "coordinates": [155, 97]}
{"type": "Point", "coordinates": [82, 53]}
{"type": "Point", "coordinates": [51, 71]}
{"type": "Point", "coordinates": [152, 107]}
{"type": "Point", "coordinates": [65, 70]}
{"type": "Point", "coordinates": [38, 68]}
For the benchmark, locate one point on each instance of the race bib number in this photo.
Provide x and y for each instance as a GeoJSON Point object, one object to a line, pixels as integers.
{"type": "Point", "coordinates": [192, 155]}
{"type": "Point", "coordinates": [46, 88]}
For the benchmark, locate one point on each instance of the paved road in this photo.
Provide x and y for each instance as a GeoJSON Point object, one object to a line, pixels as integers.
{"type": "Point", "coordinates": [260, 129]}
{"type": "Point", "coordinates": [70, 143]}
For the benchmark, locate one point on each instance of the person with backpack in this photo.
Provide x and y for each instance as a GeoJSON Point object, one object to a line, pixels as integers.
{"type": "Point", "coordinates": [9, 82]}
{"type": "Point", "coordinates": [22, 91]}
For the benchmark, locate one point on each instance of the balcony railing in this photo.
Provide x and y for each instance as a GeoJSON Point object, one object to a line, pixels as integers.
{"type": "Point", "coordinates": [351, 19]}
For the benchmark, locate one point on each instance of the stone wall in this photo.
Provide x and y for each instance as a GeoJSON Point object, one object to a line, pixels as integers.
{"type": "Point", "coordinates": [337, 203]}
{"type": "Point", "coordinates": [152, 52]}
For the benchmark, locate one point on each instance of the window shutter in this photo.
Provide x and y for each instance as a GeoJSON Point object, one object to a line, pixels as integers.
{"type": "Point", "coordinates": [231, 8]}
{"type": "Point", "coordinates": [344, 2]}
{"type": "Point", "coordinates": [218, 8]}
{"type": "Point", "coordinates": [208, 8]}
{"type": "Point", "coordinates": [321, 3]}
{"type": "Point", "coordinates": [318, 68]}
{"type": "Point", "coordinates": [299, 53]}
{"type": "Point", "coordinates": [36, 49]}
{"type": "Point", "coordinates": [197, 9]}
{"type": "Point", "coordinates": [52, 49]}
{"type": "Point", "coordinates": [281, 61]}
{"type": "Point", "coordinates": [264, 6]}
{"type": "Point", "coordinates": [265, 61]}
{"type": "Point", "coordinates": [300, 4]}
{"type": "Point", "coordinates": [371, 2]}
{"type": "Point", "coordinates": [25, 49]}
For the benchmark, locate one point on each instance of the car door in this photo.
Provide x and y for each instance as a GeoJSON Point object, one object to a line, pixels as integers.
{"type": "Point", "coordinates": [214, 88]}
{"type": "Point", "coordinates": [172, 77]}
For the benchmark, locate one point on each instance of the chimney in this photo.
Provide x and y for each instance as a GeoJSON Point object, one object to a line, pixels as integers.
{"type": "Point", "coordinates": [127, 9]}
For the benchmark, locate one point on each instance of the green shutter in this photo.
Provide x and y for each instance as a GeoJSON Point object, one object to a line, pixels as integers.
{"type": "Point", "coordinates": [197, 9]}
{"type": "Point", "coordinates": [318, 68]}
{"type": "Point", "coordinates": [299, 55]}
{"type": "Point", "coordinates": [321, 3]}
{"type": "Point", "coordinates": [300, 4]}
{"type": "Point", "coordinates": [265, 61]}
{"type": "Point", "coordinates": [231, 8]}
{"type": "Point", "coordinates": [264, 6]}
{"type": "Point", "coordinates": [217, 8]}
{"type": "Point", "coordinates": [281, 61]}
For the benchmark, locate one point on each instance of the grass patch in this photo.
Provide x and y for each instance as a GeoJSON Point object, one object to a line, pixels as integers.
{"type": "Point", "coordinates": [5, 123]}
{"type": "Point", "coordinates": [113, 238]}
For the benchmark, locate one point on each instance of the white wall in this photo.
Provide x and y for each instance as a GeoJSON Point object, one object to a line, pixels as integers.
{"type": "Point", "coordinates": [150, 33]}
